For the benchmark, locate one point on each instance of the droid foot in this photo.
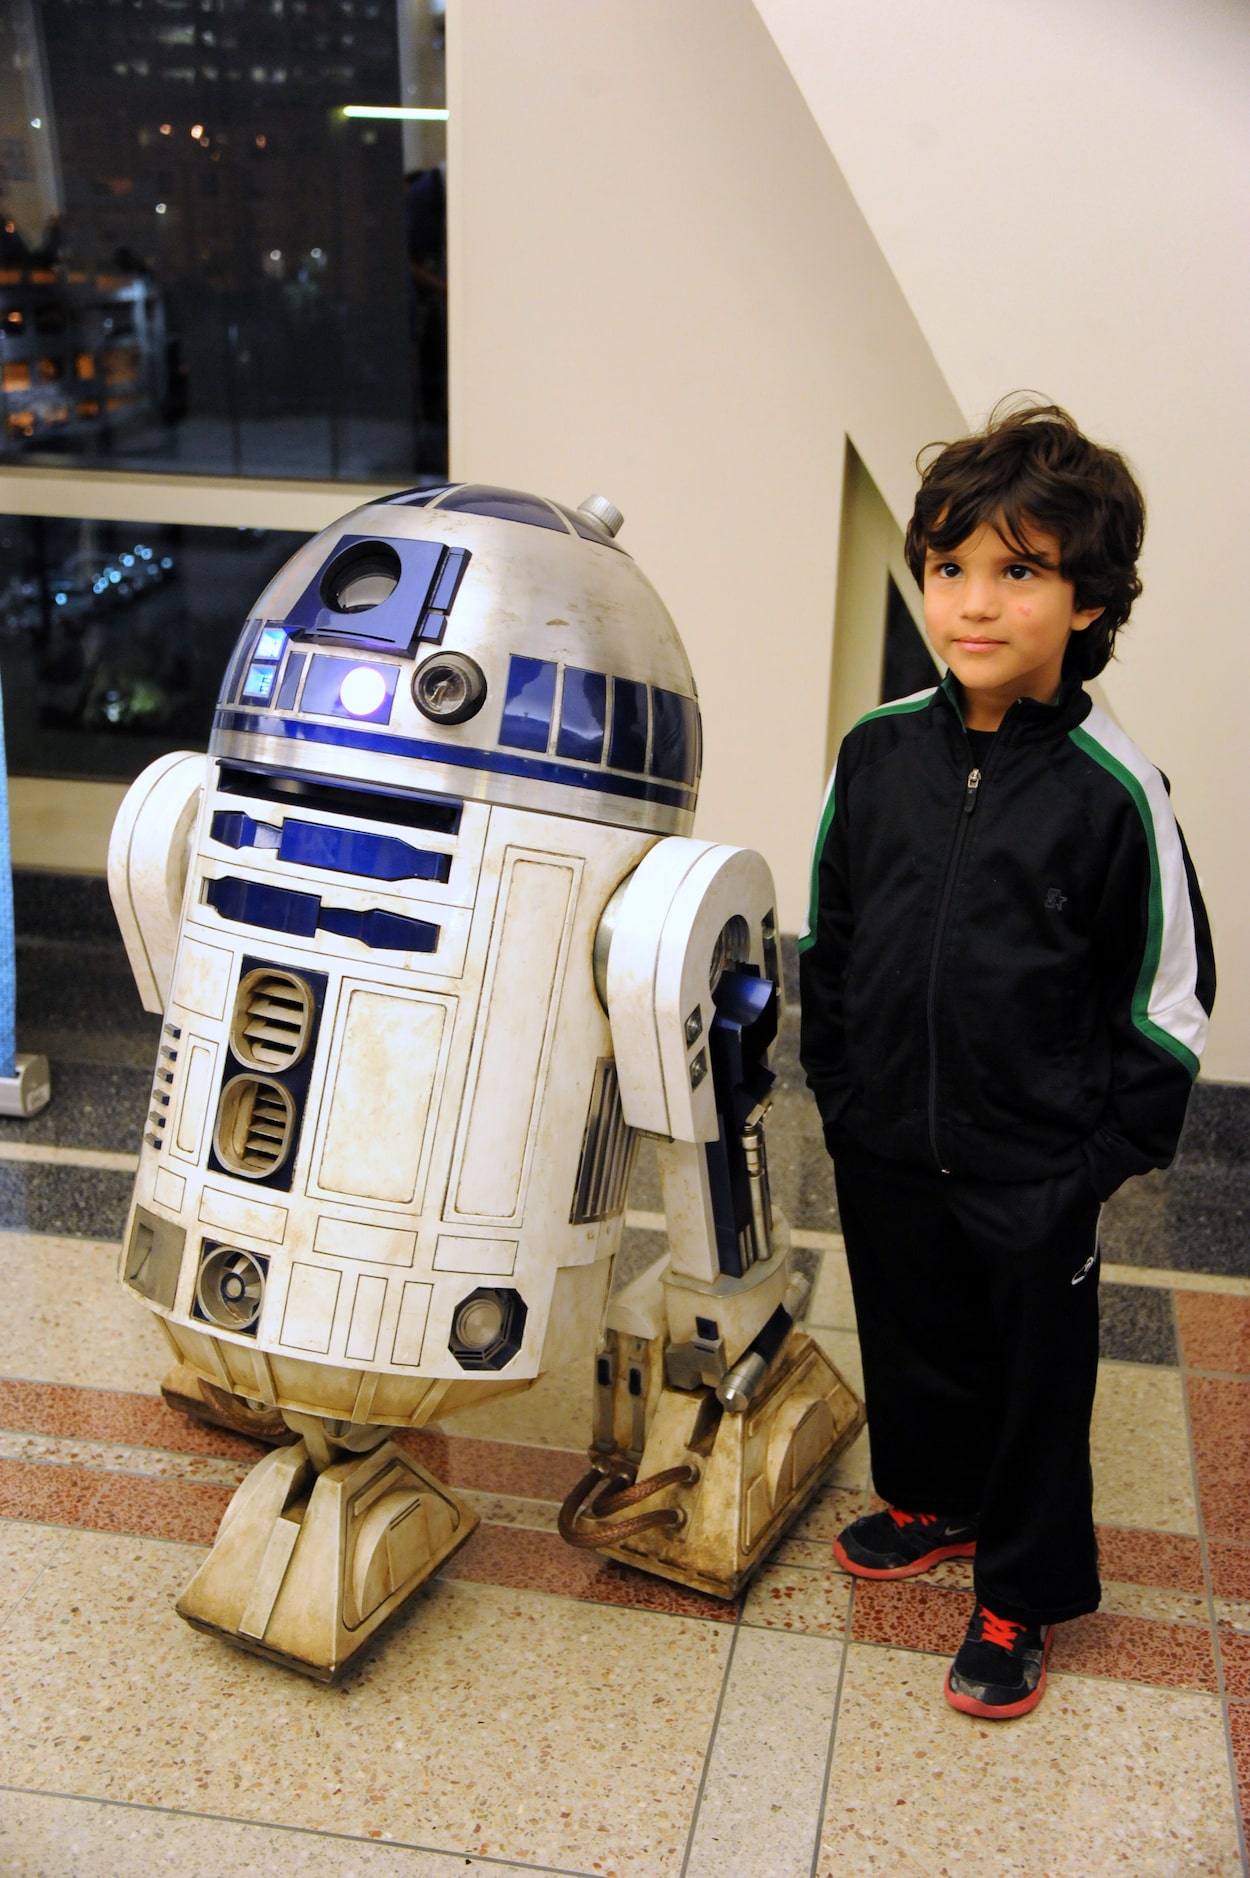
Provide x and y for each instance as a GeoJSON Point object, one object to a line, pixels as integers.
{"type": "Point", "coordinates": [715, 1489]}
{"type": "Point", "coordinates": [184, 1389]}
{"type": "Point", "coordinates": [309, 1564]}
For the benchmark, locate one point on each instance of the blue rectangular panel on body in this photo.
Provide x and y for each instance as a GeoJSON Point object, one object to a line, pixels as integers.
{"type": "Point", "coordinates": [236, 830]}
{"type": "Point", "coordinates": [253, 903]}
{"type": "Point", "coordinates": [356, 851]}
{"type": "Point", "coordinates": [258, 685]}
{"type": "Point", "coordinates": [529, 703]}
{"type": "Point", "coordinates": [627, 748]}
{"type": "Point", "coordinates": [380, 930]}
{"type": "Point", "coordinates": [583, 715]}
{"type": "Point", "coordinates": [674, 736]}
{"type": "Point", "coordinates": [324, 689]}
{"type": "Point", "coordinates": [289, 688]}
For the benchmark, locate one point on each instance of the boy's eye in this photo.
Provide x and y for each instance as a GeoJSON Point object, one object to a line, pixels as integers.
{"type": "Point", "coordinates": [1019, 570]}
{"type": "Point", "coordinates": [947, 570]}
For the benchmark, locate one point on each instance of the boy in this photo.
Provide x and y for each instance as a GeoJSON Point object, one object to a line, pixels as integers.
{"type": "Point", "coordinates": [1006, 977]}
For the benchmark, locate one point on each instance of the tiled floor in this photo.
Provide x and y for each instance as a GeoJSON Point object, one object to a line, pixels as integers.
{"type": "Point", "coordinates": [541, 1710]}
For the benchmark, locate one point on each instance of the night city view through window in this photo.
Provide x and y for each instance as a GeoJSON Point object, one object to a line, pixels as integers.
{"type": "Point", "coordinates": [204, 264]}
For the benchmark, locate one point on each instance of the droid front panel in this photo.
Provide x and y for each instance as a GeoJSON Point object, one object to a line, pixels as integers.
{"type": "Point", "coordinates": [385, 1154]}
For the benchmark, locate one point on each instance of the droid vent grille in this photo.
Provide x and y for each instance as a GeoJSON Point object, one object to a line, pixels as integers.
{"type": "Point", "coordinates": [254, 1126]}
{"type": "Point", "coordinates": [273, 1016]}
{"type": "Point", "coordinates": [607, 1151]}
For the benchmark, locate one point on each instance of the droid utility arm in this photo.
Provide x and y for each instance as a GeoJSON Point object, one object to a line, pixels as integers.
{"type": "Point", "coordinates": [693, 994]}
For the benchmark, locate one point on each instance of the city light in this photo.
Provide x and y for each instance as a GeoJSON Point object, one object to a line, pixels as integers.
{"type": "Point", "coordinates": [401, 113]}
{"type": "Point", "coordinates": [36, 123]}
{"type": "Point", "coordinates": [167, 130]}
{"type": "Point", "coordinates": [197, 131]}
{"type": "Point", "coordinates": [160, 208]}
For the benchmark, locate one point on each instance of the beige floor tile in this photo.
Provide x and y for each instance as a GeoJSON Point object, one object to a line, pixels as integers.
{"type": "Point", "coordinates": [1172, 1607]}
{"type": "Point", "coordinates": [511, 1724]}
{"type": "Point", "coordinates": [556, 1413]}
{"type": "Point", "coordinates": [509, 1509]}
{"type": "Point", "coordinates": [1142, 1473]}
{"type": "Point", "coordinates": [25, 1549]}
{"type": "Point", "coordinates": [117, 1458]}
{"type": "Point", "coordinates": [760, 1809]}
{"type": "Point", "coordinates": [832, 1305]}
{"type": "Point", "coordinates": [1103, 1778]}
{"type": "Point", "coordinates": [48, 1836]}
{"type": "Point", "coordinates": [810, 1601]}
{"type": "Point", "coordinates": [66, 1318]}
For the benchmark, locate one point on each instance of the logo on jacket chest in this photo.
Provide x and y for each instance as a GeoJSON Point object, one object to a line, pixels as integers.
{"type": "Point", "coordinates": [1056, 899]}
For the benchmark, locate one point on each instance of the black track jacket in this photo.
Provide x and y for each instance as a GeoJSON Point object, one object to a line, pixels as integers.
{"type": "Point", "coordinates": [1008, 971]}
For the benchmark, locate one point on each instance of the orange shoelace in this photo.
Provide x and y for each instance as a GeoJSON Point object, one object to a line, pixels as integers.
{"type": "Point", "coordinates": [1000, 1630]}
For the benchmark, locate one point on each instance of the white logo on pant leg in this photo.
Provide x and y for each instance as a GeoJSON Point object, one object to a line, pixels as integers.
{"type": "Point", "coordinates": [1087, 1268]}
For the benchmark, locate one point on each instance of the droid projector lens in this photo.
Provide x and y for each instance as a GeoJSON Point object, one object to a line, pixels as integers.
{"type": "Point", "coordinates": [449, 688]}
{"type": "Point", "coordinates": [361, 578]}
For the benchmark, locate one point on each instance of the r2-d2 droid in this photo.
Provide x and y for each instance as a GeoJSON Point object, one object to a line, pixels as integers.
{"type": "Point", "coordinates": [432, 947]}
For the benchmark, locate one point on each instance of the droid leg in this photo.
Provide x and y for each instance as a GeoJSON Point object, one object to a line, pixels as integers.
{"type": "Point", "coordinates": [323, 1543]}
{"type": "Point", "coordinates": [697, 1469]}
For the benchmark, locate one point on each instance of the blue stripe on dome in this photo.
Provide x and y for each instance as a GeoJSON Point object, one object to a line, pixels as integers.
{"type": "Point", "coordinates": [496, 762]}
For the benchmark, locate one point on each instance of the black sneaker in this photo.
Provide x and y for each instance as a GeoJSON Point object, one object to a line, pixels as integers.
{"type": "Point", "coordinates": [894, 1544]}
{"type": "Point", "coordinates": [1000, 1670]}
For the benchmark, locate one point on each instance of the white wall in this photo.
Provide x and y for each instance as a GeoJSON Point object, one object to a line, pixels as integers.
{"type": "Point", "coordinates": [1062, 189]}
{"type": "Point", "coordinates": [662, 289]}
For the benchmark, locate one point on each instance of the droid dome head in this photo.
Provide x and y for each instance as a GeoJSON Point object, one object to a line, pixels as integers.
{"type": "Point", "coordinates": [476, 642]}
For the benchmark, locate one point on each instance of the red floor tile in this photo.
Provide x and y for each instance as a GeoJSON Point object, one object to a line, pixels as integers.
{"type": "Point", "coordinates": [1219, 1414]}
{"type": "Point", "coordinates": [1230, 1570]}
{"type": "Point", "coordinates": [1129, 1556]}
{"type": "Point", "coordinates": [1215, 1331]}
{"type": "Point", "coordinates": [495, 1466]}
{"type": "Point", "coordinates": [1136, 1649]}
{"type": "Point", "coordinates": [541, 1561]}
{"type": "Point", "coordinates": [55, 1496]}
{"type": "Point", "coordinates": [909, 1616]}
{"type": "Point", "coordinates": [1235, 1656]}
{"type": "Point", "coordinates": [141, 1421]}
{"type": "Point", "coordinates": [186, 1510]}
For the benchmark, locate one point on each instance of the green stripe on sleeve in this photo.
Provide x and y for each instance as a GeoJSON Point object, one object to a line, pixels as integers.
{"type": "Point", "coordinates": [916, 702]}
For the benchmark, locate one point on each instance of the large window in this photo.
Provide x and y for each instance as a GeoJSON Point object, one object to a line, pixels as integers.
{"type": "Point", "coordinates": [205, 264]}
{"type": "Point", "coordinates": [114, 637]}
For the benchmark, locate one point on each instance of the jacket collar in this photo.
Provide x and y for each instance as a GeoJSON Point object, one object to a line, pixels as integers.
{"type": "Point", "coordinates": [1066, 709]}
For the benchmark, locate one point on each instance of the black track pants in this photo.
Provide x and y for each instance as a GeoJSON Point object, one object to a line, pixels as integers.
{"type": "Point", "coordinates": [978, 1321]}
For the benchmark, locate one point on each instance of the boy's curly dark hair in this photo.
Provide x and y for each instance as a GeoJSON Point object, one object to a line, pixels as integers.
{"type": "Point", "coordinates": [1031, 467]}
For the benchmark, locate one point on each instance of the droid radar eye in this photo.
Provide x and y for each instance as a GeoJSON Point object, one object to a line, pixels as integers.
{"type": "Point", "coordinates": [361, 577]}
{"type": "Point", "coordinates": [449, 688]}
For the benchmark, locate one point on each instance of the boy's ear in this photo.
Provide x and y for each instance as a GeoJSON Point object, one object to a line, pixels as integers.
{"type": "Point", "coordinates": [1085, 616]}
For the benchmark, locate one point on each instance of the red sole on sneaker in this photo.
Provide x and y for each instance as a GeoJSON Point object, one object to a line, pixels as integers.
{"type": "Point", "coordinates": [966, 1550]}
{"type": "Point", "coordinates": [968, 1704]}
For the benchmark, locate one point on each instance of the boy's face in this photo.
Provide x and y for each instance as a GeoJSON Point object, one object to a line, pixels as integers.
{"type": "Point", "coordinates": [1001, 620]}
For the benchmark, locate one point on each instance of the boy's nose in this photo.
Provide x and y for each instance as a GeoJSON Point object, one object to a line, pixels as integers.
{"type": "Point", "coordinates": [980, 599]}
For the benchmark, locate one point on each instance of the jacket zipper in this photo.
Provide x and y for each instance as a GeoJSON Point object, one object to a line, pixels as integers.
{"type": "Point", "coordinates": [952, 868]}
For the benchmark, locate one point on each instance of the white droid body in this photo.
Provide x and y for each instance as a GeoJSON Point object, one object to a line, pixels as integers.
{"type": "Point", "coordinates": [431, 945]}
